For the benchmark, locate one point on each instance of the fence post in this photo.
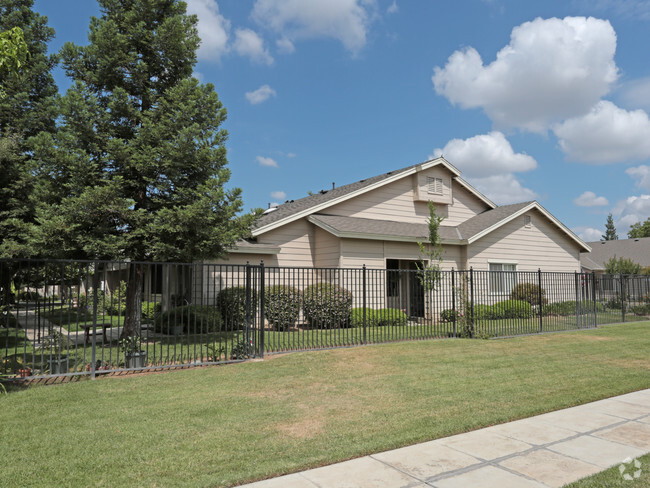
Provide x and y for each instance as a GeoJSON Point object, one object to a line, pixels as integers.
{"type": "Point", "coordinates": [248, 304]}
{"type": "Point", "coordinates": [261, 341]}
{"type": "Point", "coordinates": [577, 292]}
{"type": "Point", "coordinates": [623, 293]}
{"type": "Point", "coordinates": [93, 354]}
{"type": "Point", "coordinates": [539, 298]}
{"type": "Point", "coordinates": [453, 299]}
{"type": "Point", "coordinates": [593, 297]}
{"type": "Point", "coordinates": [364, 302]}
{"type": "Point", "coordinates": [471, 300]}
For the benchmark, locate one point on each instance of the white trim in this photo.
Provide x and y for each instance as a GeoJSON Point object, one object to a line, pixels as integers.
{"type": "Point", "coordinates": [532, 205]}
{"type": "Point", "coordinates": [501, 261]}
{"type": "Point", "coordinates": [398, 176]}
{"type": "Point", "coordinates": [476, 193]}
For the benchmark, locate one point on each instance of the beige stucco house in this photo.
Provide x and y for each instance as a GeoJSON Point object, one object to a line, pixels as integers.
{"type": "Point", "coordinates": [378, 221]}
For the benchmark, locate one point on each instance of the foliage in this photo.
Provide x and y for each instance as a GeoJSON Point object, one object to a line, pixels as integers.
{"type": "Point", "coordinates": [327, 306]}
{"type": "Point", "coordinates": [610, 230]}
{"type": "Point", "coordinates": [430, 274]}
{"type": "Point", "coordinates": [243, 349]}
{"type": "Point", "coordinates": [131, 344]}
{"type": "Point", "coordinates": [507, 309]}
{"type": "Point", "coordinates": [137, 168]}
{"type": "Point", "coordinates": [378, 317]}
{"type": "Point", "coordinates": [641, 309]}
{"type": "Point", "coordinates": [622, 266]}
{"type": "Point", "coordinates": [281, 306]}
{"type": "Point", "coordinates": [28, 296]}
{"type": "Point", "coordinates": [54, 342]}
{"type": "Point", "coordinates": [151, 310]}
{"type": "Point", "coordinates": [231, 303]}
{"type": "Point", "coordinates": [107, 303]}
{"type": "Point", "coordinates": [449, 314]}
{"type": "Point", "coordinates": [639, 230]}
{"type": "Point", "coordinates": [568, 308]}
{"type": "Point", "coordinates": [193, 319]}
{"type": "Point", "coordinates": [13, 52]}
{"type": "Point", "coordinates": [529, 292]}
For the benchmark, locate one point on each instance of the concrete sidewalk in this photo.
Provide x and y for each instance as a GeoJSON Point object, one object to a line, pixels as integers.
{"type": "Point", "coordinates": [549, 450]}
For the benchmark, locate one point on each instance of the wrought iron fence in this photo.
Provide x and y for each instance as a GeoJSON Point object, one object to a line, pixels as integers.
{"type": "Point", "coordinates": [66, 318]}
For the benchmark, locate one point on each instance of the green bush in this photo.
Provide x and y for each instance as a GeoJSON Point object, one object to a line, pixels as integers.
{"type": "Point", "coordinates": [447, 315]}
{"type": "Point", "coordinates": [28, 296]}
{"type": "Point", "coordinates": [281, 306]}
{"type": "Point", "coordinates": [568, 308]}
{"type": "Point", "coordinates": [327, 306]}
{"type": "Point", "coordinates": [231, 303]}
{"type": "Point", "coordinates": [512, 309]}
{"type": "Point", "coordinates": [150, 310]}
{"type": "Point", "coordinates": [379, 317]}
{"type": "Point", "coordinates": [195, 319]}
{"type": "Point", "coordinates": [485, 312]}
{"type": "Point", "coordinates": [530, 293]}
{"type": "Point", "coordinates": [107, 303]}
{"type": "Point", "coordinates": [641, 309]}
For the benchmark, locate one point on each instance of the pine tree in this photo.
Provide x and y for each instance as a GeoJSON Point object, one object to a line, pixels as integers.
{"type": "Point", "coordinates": [610, 230]}
{"type": "Point", "coordinates": [138, 166]}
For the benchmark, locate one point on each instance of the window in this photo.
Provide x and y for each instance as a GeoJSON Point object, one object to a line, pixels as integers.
{"type": "Point", "coordinates": [434, 185]}
{"type": "Point", "coordinates": [527, 221]}
{"type": "Point", "coordinates": [502, 278]}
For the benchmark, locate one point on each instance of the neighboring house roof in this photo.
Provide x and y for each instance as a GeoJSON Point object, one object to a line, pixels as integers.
{"type": "Point", "coordinates": [637, 250]}
{"type": "Point", "coordinates": [469, 231]}
{"type": "Point", "coordinates": [296, 209]}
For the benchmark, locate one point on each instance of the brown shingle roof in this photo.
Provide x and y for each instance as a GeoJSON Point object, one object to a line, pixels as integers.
{"type": "Point", "coordinates": [638, 250]}
{"type": "Point", "coordinates": [487, 219]}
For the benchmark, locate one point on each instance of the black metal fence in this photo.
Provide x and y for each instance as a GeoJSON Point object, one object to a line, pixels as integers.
{"type": "Point", "coordinates": [65, 318]}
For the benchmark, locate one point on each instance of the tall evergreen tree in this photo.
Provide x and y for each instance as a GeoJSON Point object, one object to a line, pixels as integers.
{"type": "Point", "coordinates": [610, 230]}
{"type": "Point", "coordinates": [138, 166]}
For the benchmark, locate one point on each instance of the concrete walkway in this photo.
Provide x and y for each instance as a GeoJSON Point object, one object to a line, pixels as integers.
{"type": "Point", "coordinates": [549, 450]}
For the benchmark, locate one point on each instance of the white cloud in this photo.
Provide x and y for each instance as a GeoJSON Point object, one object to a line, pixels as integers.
{"type": "Point", "coordinates": [552, 69]}
{"type": "Point", "coordinates": [588, 234]}
{"type": "Point", "coordinates": [266, 161]}
{"type": "Point", "coordinates": [262, 94]}
{"type": "Point", "coordinates": [393, 8]}
{"type": "Point", "coordinates": [630, 211]}
{"type": "Point", "coordinates": [630, 9]}
{"type": "Point", "coordinates": [345, 20]}
{"type": "Point", "coordinates": [278, 195]}
{"type": "Point", "coordinates": [607, 134]}
{"type": "Point", "coordinates": [503, 189]}
{"type": "Point", "coordinates": [213, 29]}
{"type": "Point", "coordinates": [485, 155]}
{"type": "Point", "coordinates": [249, 43]}
{"type": "Point", "coordinates": [642, 175]}
{"type": "Point", "coordinates": [285, 45]}
{"type": "Point", "coordinates": [291, 155]}
{"type": "Point", "coordinates": [589, 199]}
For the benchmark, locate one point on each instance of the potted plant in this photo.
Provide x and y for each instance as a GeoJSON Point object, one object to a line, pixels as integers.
{"type": "Point", "coordinates": [135, 356]}
{"type": "Point", "coordinates": [58, 362]}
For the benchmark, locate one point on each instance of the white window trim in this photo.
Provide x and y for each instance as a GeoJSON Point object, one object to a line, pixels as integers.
{"type": "Point", "coordinates": [505, 291]}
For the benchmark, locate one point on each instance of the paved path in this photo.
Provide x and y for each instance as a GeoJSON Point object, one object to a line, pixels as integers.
{"type": "Point", "coordinates": [548, 450]}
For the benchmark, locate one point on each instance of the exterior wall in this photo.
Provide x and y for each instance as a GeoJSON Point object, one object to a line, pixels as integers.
{"type": "Point", "coordinates": [397, 201]}
{"type": "Point", "coordinates": [327, 249]}
{"type": "Point", "coordinates": [296, 242]}
{"type": "Point", "coordinates": [542, 245]}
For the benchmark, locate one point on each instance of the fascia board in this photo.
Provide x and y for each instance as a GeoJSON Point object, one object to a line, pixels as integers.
{"type": "Point", "coordinates": [256, 250]}
{"type": "Point", "coordinates": [317, 208]}
{"type": "Point", "coordinates": [476, 193]}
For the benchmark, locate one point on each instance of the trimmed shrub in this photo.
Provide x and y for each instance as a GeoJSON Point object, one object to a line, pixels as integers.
{"type": "Point", "coordinates": [529, 292]}
{"type": "Point", "coordinates": [447, 315]}
{"type": "Point", "coordinates": [150, 310]}
{"type": "Point", "coordinates": [641, 309]}
{"type": "Point", "coordinates": [379, 317]}
{"type": "Point", "coordinates": [484, 312]}
{"type": "Point", "coordinates": [327, 306]}
{"type": "Point", "coordinates": [28, 296]}
{"type": "Point", "coordinates": [231, 303]}
{"type": "Point", "coordinates": [512, 309]}
{"type": "Point", "coordinates": [569, 308]}
{"type": "Point", "coordinates": [281, 306]}
{"type": "Point", "coordinates": [193, 318]}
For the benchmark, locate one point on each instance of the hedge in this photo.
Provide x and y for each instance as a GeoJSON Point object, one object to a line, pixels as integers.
{"type": "Point", "coordinates": [529, 292]}
{"type": "Point", "coordinates": [379, 317]}
{"type": "Point", "coordinates": [195, 319]}
{"type": "Point", "coordinates": [569, 307]}
{"type": "Point", "coordinates": [231, 303]}
{"type": "Point", "coordinates": [327, 306]}
{"type": "Point", "coordinates": [281, 306]}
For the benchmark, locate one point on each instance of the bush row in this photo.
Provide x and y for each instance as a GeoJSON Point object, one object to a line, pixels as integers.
{"type": "Point", "coordinates": [518, 309]}
{"type": "Point", "coordinates": [378, 318]}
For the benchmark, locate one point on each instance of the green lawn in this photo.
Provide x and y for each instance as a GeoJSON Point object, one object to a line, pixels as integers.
{"type": "Point", "coordinates": [221, 426]}
{"type": "Point", "coordinates": [612, 478]}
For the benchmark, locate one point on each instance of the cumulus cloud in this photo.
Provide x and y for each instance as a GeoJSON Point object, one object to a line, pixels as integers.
{"type": "Point", "coordinates": [485, 155]}
{"type": "Point", "coordinates": [278, 195]}
{"type": "Point", "coordinates": [213, 29]}
{"type": "Point", "coordinates": [589, 199]}
{"type": "Point", "coordinates": [642, 175]}
{"type": "Point", "coordinates": [284, 45]}
{"type": "Point", "coordinates": [488, 162]}
{"type": "Point", "coordinates": [267, 161]}
{"type": "Point", "coordinates": [393, 8]}
{"type": "Point", "coordinates": [262, 94]}
{"type": "Point", "coordinates": [630, 211]}
{"type": "Point", "coordinates": [249, 43]}
{"type": "Point", "coordinates": [588, 234]}
{"type": "Point", "coordinates": [551, 69]}
{"type": "Point", "coordinates": [607, 134]}
{"type": "Point", "coordinates": [345, 20]}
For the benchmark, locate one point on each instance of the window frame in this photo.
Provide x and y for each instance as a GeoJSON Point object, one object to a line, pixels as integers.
{"type": "Point", "coordinates": [507, 278]}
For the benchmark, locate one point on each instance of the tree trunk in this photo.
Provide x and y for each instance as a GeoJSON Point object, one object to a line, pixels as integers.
{"type": "Point", "coordinates": [133, 312]}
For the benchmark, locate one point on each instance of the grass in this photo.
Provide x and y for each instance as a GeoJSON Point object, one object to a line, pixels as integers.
{"type": "Point", "coordinates": [612, 477]}
{"type": "Point", "coordinates": [222, 426]}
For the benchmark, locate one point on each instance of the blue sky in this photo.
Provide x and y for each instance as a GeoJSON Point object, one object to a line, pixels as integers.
{"type": "Point", "coordinates": [530, 100]}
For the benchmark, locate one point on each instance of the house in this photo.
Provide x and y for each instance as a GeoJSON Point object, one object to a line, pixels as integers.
{"type": "Point", "coordinates": [377, 222]}
{"type": "Point", "coordinates": [636, 250]}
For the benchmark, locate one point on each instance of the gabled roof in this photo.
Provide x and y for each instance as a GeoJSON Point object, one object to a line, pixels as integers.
{"type": "Point", "coordinates": [637, 250]}
{"type": "Point", "coordinates": [312, 204]}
